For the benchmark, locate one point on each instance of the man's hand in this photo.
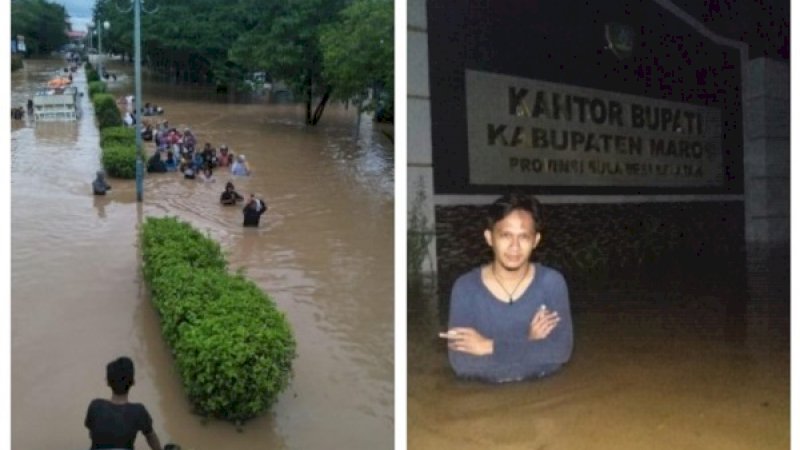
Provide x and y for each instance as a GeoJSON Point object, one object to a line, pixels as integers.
{"type": "Point", "coordinates": [543, 323]}
{"type": "Point", "coordinates": [468, 340]}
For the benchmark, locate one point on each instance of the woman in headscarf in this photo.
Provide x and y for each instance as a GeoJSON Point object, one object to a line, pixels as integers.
{"type": "Point", "coordinates": [99, 185]}
{"type": "Point", "coordinates": [240, 166]}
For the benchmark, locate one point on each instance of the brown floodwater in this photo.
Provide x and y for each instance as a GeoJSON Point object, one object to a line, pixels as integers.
{"type": "Point", "coordinates": [690, 368]}
{"type": "Point", "coordinates": [324, 253]}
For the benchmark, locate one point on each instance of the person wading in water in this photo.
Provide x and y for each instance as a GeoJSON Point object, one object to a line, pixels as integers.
{"type": "Point", "coordinates": [253, 210]}
{"type": "Point", "coordinates": [114, 423]}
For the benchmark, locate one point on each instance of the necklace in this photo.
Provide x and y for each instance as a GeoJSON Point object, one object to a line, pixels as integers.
{"type": "Point", "coordinates": [511, 294]}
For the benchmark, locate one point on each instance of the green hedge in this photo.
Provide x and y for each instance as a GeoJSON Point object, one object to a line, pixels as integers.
{"type": "Point", "coordinates": [118, 143]}
{"type": "Point", "coordinates": [106, 111]}
{"type": "Point", "coordinates": [233, 348]}
{"type": "Point", "coordinates": [118, 153]}
{"type": "Point", "coordinates": [96, 87]}
{"type": "Point", "coordinates": [117, 135]}
{"type": "Point", "coordinates": [91, 73]}
{"type": "Point", "coordinates": [119, 160]}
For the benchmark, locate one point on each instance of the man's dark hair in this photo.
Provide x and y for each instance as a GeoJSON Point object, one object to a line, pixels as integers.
{"type": "Point", "coordinates": [506, 204]}
{"type": "Point", "coordinates": [119, 374]}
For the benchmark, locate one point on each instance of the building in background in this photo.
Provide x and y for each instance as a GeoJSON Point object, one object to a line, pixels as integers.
{"type": "Point", "coordinates": [655, 142]}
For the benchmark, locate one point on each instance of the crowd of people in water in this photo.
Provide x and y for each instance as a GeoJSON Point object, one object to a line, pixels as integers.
{"type": "Point", "coordinates": [178, 151]}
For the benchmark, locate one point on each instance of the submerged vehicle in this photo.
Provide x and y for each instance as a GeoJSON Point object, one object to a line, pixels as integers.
{"type": "Point", "coordinates": [56, 104]}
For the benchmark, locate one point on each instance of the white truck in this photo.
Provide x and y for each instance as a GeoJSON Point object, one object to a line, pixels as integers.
{"type": "Point", "coordinates": [61, 104]}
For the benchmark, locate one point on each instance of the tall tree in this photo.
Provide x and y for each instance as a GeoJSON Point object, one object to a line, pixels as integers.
{"type": "Point", "coordinates": [118, 38]}
{"type": "Point", "coordinates": [286, 42]}
{"type": "Point", "coordinates": [43, 24]}
{"type": "Point", "coordinates": [179, 40]}
{"type": "Point", "coordinates": [284, 37]}
{"type": "Point", "coordinates": [358, 53]}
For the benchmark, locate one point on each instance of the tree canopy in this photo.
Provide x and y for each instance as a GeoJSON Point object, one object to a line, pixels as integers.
{"type": "Point", "coordinates": [358, 50]}
{"type": "Point", "coordinates": [321, 49]}
{"type": "Point", "coordinates": [43, 24]}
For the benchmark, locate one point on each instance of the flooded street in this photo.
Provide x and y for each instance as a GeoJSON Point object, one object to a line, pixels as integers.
{"type": "Point", "coordinates": [324, 253]}
{"type": "Point", "coordinates": [694, 367]}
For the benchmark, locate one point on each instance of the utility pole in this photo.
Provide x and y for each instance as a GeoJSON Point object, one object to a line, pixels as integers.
{"type": "Point", "coordinates": [137, 100]}
{"type": "Point", "coordinates": [137, 42]}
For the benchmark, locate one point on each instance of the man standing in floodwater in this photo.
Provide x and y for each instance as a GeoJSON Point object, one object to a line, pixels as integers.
{"type": "Point", "coordinates": [99, 185]}
{"type": "Point", "coordinates": [114, 423]}
{"type": "Point", "coordinates": [510, 319]}
{"type": "Point", "coordinates": [253, 211]}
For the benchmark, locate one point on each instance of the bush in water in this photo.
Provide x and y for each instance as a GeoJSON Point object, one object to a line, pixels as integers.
{"type": "Point", "coordinates": [119, 160]}
{"type": "Point", "coordinates": [91, 74]}
{"type": "Point", "coordinates": [96, 87]}
{"type": "Point", "coordinates": [105, 108]}
{"type": "Point", "coordinates": [233, 348]}
{"type": "Point", "coordinates": [117, 135]}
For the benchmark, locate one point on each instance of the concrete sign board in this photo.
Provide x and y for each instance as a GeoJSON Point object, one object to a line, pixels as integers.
{"type": "Point", "coordinates": [536, 133]}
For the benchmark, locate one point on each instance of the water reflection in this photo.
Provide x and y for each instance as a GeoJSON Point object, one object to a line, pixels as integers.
{"type": "Point", "coordinates": [100, 202]}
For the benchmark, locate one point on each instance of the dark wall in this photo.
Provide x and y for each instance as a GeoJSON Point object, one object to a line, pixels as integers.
{"type": "Point", "coordinates": [694, 245]}
{"type": "Point", "coordinates": [563, 41]}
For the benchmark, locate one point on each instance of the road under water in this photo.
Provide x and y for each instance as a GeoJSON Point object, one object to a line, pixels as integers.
{"type": "Point", "coordinates": [324, 253]}
{"type": "Point", "coordinates": [695, 367]}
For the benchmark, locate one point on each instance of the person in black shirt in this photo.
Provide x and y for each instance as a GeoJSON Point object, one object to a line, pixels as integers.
{"type": "Point", "coordinates": [99, 185]}
{"type": "Point", "coordinates": [113, 424]}
{"type": "Point", "coordinates": [155, 164]}
{"type": "Point", "coordinates": [230, 196]}
{"type": "Point", "coordinates": [253, 210]}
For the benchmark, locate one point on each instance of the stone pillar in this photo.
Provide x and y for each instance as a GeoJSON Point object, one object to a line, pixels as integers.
{"type": "Point", "coordinates": [420, 152]}
{"type": "Point", "coordinates": [766, 153]}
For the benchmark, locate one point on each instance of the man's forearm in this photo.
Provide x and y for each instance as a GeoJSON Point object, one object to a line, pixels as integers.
{"type": "Point", "coordinates": [152, 440]}
{"type": "Point", "coordinates": [553, 350]}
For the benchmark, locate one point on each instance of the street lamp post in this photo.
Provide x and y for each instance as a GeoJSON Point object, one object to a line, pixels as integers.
{"type": "Point", "coordinates": [138, 99]}
{"type": "Point", "coordinates": [106, 25]}
{"type": "Point", "coordinates": [91, 30]}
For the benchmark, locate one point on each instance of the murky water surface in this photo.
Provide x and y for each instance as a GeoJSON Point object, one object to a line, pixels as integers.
{"type": "Point", "coordinates": [324, 252]}
{"type": "Point", "coordinates": [695, 367]}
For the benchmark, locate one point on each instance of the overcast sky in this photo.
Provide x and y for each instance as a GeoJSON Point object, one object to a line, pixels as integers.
{"type": "Point", "coordinates": [80, 12]}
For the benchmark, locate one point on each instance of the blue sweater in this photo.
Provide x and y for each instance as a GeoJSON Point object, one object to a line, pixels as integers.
{"type": "Point", "coordinates": [515, 356]}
